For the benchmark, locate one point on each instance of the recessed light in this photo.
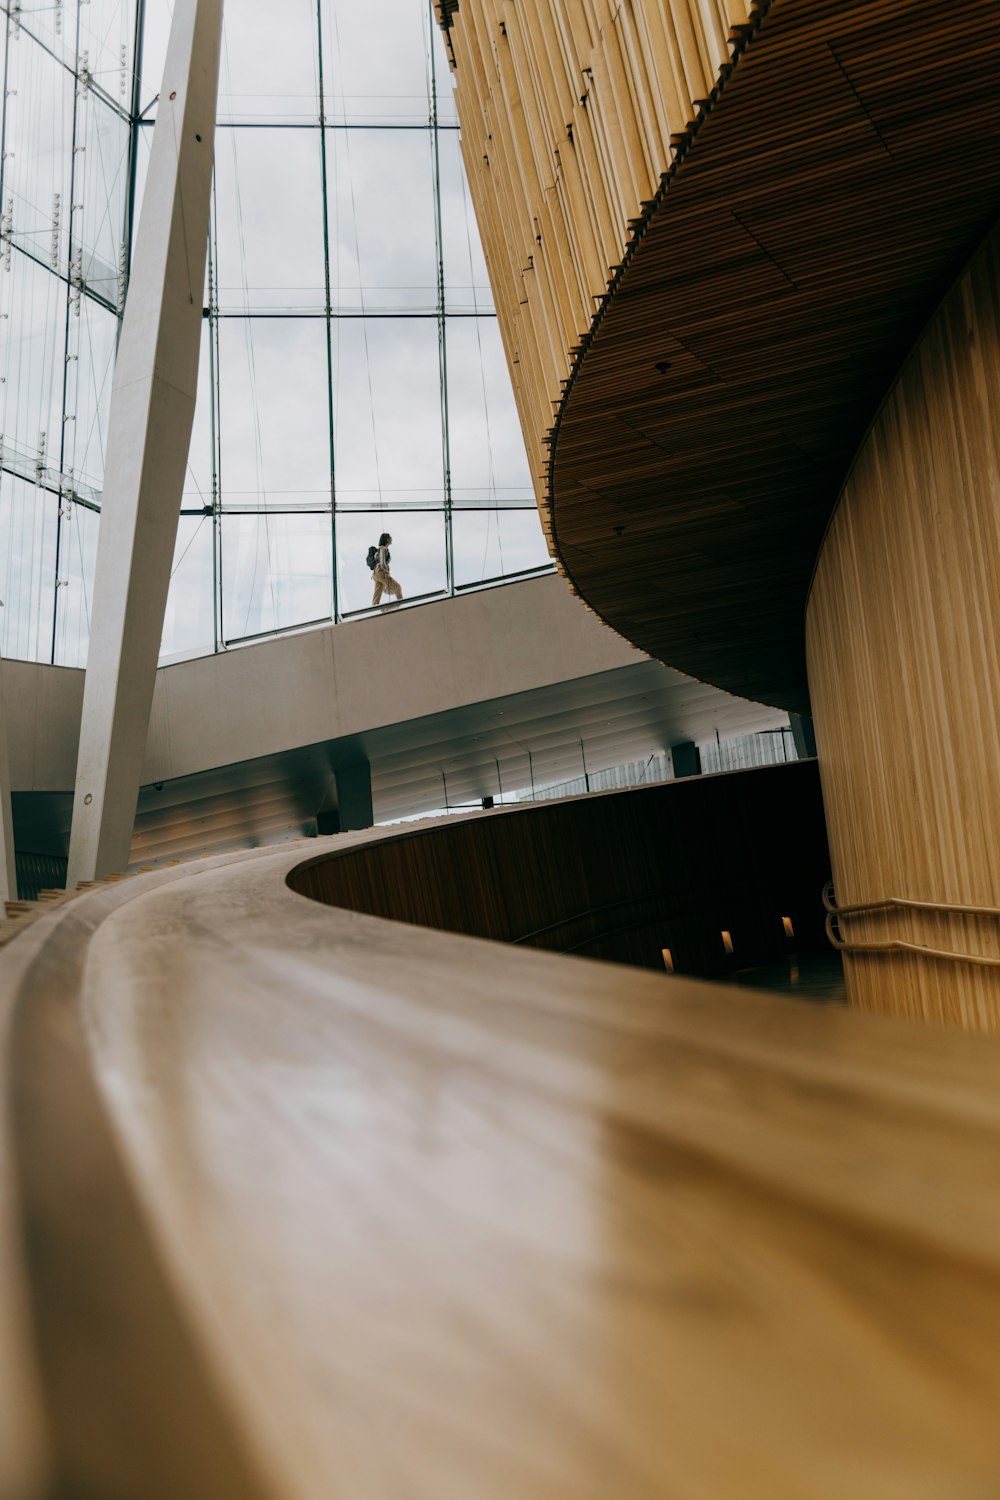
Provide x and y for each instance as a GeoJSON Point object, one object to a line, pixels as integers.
{"type": "Point", "coordinates": [663, 365]}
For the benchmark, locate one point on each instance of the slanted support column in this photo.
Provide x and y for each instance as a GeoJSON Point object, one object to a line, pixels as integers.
{"type": "Point", "coordinates": [354, 796]}
{"type": "Point", "coordinates": [152, 410]}
{"type": "Point", "coordinates": [685, 758]}
{"type": "Point", "coordinates": [8, 872]}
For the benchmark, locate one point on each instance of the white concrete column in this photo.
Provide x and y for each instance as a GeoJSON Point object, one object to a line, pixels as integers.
{"type": "Point", "coordinates": [8, 873]}
{"type": "Point", "coordinates": [149, 434]}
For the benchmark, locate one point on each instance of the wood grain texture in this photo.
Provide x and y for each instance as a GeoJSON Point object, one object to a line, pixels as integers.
{"type": "Point", "coordinates": [442, 1218]}
{"type": "Point", "coordinates": [904, 666]}
{"type": "Point", "coordinates": [568, 108]}
{"type": "Point", "coordinates": [757, 273]}
{"type": "Point", "coordinates": [23, 1439]}
{"type": "Point", "coordinates": [618, 876]}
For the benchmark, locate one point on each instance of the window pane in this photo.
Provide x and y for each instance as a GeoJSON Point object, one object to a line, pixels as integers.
{"type": "Point", "coordinates": [198, 487]}
{"type": "Point", "coordinates": [269, 64]}
{"type": "Point", "coordinates": [75, 589]}
{"type": "Point", "coordinates": [107, 32]}
{"type": "Point", "coordinates": [466, 282]}
{"type": "Point", "coordinates": [52, 24]}
{"type": "Point", "coordinates": [387, 412]}
{"type": "Point", "coordinates": [189, 625]}
{"type": "Point", "coordinates": [101, 187]}
{"type": "Point", "coordinates": [269, 61]}
{"type": "Point", "coordinates": [38, 151]}
{"type": "Point", "coordinates": [488, 461]}
{"type": "Point", "coordinates": [418, 554]}
{"type": "Point", "coordinates": [33, 309]}
{"type": "Point", "coordinates": [372, 265]}
{"type": "Point", "coordinates": [155, 32]}
{"type": "Point", "coordinates": [144, 144]}
{"type": "Point", "coordinates": [89, 374]}
{"type": "Point", "coordinates": [444, 79]}
{"type": "Point", "coordinates": [491, 544]}
{"type": "Point", "coordinates": [276, 572]}
{"type": "Point", "coordinates": [274, 419]}
{"type": "Point", "coordinates": [269, 219]}
{"type": "Point", "coordinates": [376, 61]}
{"type": "Point", "coordinates": [27, 568]}
{"type": "Point", "coordinates": [144, 149]}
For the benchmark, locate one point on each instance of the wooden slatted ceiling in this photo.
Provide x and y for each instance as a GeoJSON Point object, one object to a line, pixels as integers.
{"type": "Point", "coordinates": [828, 197]}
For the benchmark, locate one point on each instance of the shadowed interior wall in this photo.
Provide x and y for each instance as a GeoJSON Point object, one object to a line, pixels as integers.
{"type": "Point", "coordinates": [618, 876]}
{"type": "Point", "coordinates": [904, 669]}
{"type": "Point", "coordinates": [567, 111]}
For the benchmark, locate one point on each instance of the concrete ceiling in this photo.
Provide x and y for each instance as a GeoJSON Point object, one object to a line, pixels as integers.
{"type": "Point", "coordinates": [447, 702]}
{"type": "Point", "coordinates": [491, 748]}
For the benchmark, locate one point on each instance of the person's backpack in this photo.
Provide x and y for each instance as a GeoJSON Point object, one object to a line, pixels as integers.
{"type": "Point", "coordinates": [372, 558]}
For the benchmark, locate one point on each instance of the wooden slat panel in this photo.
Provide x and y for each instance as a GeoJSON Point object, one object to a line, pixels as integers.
{"type": "Point", "coordinates": [575, 104]}
{"type": "Point", "coordinates": [619, 876]}
{"type": "Point", "coordinates": [778, 278]}
{"type": "Point", "coordinates": [904, 666]}
{"type": "Point", "coordinates": [853, 284]}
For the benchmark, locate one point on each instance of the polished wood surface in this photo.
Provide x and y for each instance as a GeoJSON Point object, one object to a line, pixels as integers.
{"type": "Point", "coordinates": [23, 1441]}
{"type": "Point", "coordinates": [761, 295]}
{"type": "Point", "coordinates": [904, 666]}
{"type": "Point", "coordinates": [332, 1206]}
{"type": "Point", "coordinates": [617, 875]}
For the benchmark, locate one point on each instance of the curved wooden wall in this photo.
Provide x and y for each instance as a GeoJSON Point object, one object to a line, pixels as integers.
{"type": "Point", "coordinates": [904, 668]}
{"type": "Point", "coordinates": [708, 273]}
{"type": "Point", "coordinates": [567, 110]}
{"type": "Point", "coordinates": [618, 875]}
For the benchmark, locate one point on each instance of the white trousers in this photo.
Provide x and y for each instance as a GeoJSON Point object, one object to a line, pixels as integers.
{"type": "Point", "coordinates": [384, 584]}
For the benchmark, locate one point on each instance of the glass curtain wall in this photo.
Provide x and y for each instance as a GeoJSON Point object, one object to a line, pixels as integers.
{"type": "Point", "coordinates": [352, 377]}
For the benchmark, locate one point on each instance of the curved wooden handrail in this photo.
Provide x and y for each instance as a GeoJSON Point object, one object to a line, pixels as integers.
{"type": "Point", "coordinates": [835, 914]}
{"type": "Point", "coordinates": [339, 1206]}
{"type": "Point", "coordinates": [904, 903]}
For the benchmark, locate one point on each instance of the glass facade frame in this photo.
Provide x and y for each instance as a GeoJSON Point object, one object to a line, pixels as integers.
{"type": "Point", "coordinates": [352, 378]}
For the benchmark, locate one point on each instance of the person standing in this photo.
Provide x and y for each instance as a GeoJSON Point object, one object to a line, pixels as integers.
{"type": "Point", "coordinates": [381, 577]}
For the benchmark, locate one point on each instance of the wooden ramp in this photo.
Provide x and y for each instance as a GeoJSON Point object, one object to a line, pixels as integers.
{"type": "Point", "coordinates": [304, 1204]}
